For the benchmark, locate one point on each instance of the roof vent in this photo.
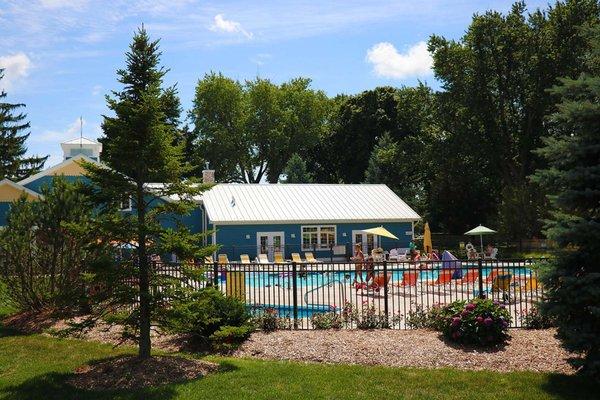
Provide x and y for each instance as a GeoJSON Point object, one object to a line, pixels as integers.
{"type": "Point", "coordinates": [232, 201]}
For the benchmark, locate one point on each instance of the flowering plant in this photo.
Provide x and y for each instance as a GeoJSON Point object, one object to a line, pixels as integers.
{"type": "Point", "coordinates": [480, 322]}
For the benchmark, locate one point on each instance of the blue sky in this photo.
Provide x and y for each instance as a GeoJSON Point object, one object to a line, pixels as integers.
{"type": "Point", "coordinates": [60, 56]}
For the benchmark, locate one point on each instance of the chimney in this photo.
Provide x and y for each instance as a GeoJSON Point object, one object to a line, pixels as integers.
{"type": "Point", "coordinates": [208, 175]}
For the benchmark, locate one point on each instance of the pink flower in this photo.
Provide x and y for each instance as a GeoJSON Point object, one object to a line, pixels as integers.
{"type": "Point", "coordinates": [488, 321]}
{"type": "Point", "coordinates": [470, 306]}
{"type": "Point", "coordinates": [479, 319]}
{"type": "Point", "coordinates": [455, 321]}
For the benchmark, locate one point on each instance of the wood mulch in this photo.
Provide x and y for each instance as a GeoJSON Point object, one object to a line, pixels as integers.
{"type": "Point", "coordinates": [130, 372]}
{"type": "Point", "coordinates": [530, 350]}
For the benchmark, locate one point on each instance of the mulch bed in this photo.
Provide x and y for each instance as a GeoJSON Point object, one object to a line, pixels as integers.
{"type": "Point", "coordinates": [130, 372]}
{"type": "Point", "coordinates": [531, 350]}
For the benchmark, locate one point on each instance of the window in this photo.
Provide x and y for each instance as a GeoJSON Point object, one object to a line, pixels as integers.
{"type": "Point", "coordinates": [125, 204]}
{"type": "Point", "coordinates": [318, 237]}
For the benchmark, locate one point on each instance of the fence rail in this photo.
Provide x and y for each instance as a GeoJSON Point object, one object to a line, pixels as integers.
{"type": "Point", "coordinates": [387, 291]}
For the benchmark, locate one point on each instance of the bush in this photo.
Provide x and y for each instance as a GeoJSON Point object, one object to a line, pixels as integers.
{"type": "Point", "coordinates": [229, 338]}
{"type": "Point", "coordinates": [479, 322]}
{"type": "Point", "coordinates": [328, 320]}
{"type": "Point", "coordinates": [533, 319]}
{"type": "Point", "coordinates": [268, 320]}
{"type": "Point", "coordinates": [367, 317]}
{"type": "Point", "coordinates": [203, 313]}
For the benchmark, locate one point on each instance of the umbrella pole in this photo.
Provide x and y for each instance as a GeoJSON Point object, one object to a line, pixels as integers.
{"type": "Point", "coordinates": [481, 242]}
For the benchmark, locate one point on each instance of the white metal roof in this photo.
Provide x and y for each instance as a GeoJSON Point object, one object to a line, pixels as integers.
{"type": "Point", "coordinates": [80, 140]}
{"type": "Point", "coordinates": [304, 203]}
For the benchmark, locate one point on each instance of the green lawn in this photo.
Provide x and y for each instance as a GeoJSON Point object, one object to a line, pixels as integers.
{"type": "Point", "coordinates": [36, 367]}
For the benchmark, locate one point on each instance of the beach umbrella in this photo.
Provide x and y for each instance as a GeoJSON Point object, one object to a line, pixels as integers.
{"type": "Point", "coordinates": [381, 231]}
{"type": "Point", "coordinates": [427, 245]}
{"type": "Point", "coordinates": [480, 231]}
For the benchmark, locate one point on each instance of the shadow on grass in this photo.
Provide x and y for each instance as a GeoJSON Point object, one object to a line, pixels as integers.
{"type": "Point", "coordinates": [54, 386]}
{"type": "Point", "coordinates": [571, 387]}
{"type": "Point", "coordinates": [6, 331]}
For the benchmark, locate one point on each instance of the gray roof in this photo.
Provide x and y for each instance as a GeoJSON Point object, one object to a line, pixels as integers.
{"type": "Point", "coordinates": [304, 203]}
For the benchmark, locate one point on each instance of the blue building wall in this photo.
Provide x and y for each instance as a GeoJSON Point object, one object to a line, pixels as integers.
{"type": "Point", "coordinates": [242, 239]}
{"type": "Point", "coordinates": [37, 184]}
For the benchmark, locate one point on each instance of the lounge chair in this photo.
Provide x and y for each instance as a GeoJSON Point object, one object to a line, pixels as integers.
{"type": "Point", "coordinates": [493, 255]}
{"type": "Point", "coordinates": [278, 258]}
{"type": "Point", "coordinates": [208, 260]}
{"type": "Point", "coordinates": [223, 259]}
{"type": "Point", "coordinates": [310, 258]}
{"type": "Point", "coordinates": [409, 278]}
{"type": "Point", "coordinates": [444, 278]}
{"type": "Point", "coordinates": [471, 277]}
{"type": "Point", "coordinates": [296, 258]}
{"type": "Point", "coordinates": [262, 259]}
{"type": "Point", "coordinates": [245, 259]}
{"type": "Point", "coordinates": [393, 256]}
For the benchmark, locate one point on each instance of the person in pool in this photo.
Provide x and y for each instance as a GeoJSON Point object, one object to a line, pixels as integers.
{"type": "Point", "coordinates": [358, 259]}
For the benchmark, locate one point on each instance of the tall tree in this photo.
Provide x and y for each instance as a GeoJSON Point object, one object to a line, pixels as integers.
{"type": "Point", "coordinates": [572, 178]}
{"type": "Point", "coordinates": [13, 125]}
{"type": "Point", "coordinates": [247, 132]}
{"type": "Point", "coordinates": [140, 147]}
{"type": "Point", "coordinates": [361, 121]}
{"type": "Point", "coordinates": [295, 171]}
{"type": "Point", "coordinates": [493, 105]}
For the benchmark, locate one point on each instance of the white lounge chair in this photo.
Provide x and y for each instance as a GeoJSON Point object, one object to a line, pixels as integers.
{"type": "Point", "coordinates": [262, 259]}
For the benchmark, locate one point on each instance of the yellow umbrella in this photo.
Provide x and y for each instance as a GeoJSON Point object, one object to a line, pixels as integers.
{"type": "Point", "coordinates": [427, 245]}
{"type": "Point", "coordinates": [381, 231]}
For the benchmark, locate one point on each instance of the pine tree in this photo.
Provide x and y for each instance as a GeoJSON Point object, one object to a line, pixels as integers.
{"type": "Point", "coordinates": [296, 171]}
{"type": "Point", "coordinates": [141, 146]}
{"type": "Point", "coordinates": [572, 283]}
{"type": "Point", "coordinates": [13, 124]}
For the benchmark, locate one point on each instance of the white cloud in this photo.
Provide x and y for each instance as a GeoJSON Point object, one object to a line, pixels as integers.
{"type": "Point", "coordinates": [220, 24]}
{"type": "Point", "coordinates": [260, 59]}
{"type": "Point", "coordinates": [389, 63]}
{"type": "Point", "coordinates": [96, 90]}
{"type": "Point", "coordinates": [16, 67]}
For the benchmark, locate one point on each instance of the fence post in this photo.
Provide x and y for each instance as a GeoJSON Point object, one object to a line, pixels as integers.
{"type": "Point", "coordinates": [295, 290]}
{"type": "Point", "coordinates": [216, 274]}
{"type": "Point", "coordinates": [480, 279]}
{"type": "Point", "coordinates": [385, 289]}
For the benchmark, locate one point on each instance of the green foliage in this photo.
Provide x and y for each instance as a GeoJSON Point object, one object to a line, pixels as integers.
{"type": "Point", "coordinates": [268, 320]}
{"type": "Point", "coordinates": [572, 151]}
{"type": "Point", "coordinates": [142, 145]}
{"type": "Point", "coordinates": [432, 318]}
{"type": "Point", "coordinates": [47, 248]}
{"type": "Point", "coordinates": [328, 320]}
{"type": "Point", "coordinates": [366, 317]}
{"type": "Point", "coordinates": [491, 112]}
{"type": "Point", "coordinates": [229, 338]}
{"type": "Point", "coordinates": [13, 163]}
{"type": "Point", "coordinates": [295, 170]}
{"type": "Point", "coordinates": [203, 312]}
{"type": "Point", "coordinates": [480, 322]}
{"type": "Point", "coordinates": [534, 319]}
{"type": "Point", "coordinates": [246, 131]}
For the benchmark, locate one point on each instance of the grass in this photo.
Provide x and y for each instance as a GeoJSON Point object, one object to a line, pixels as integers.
{"type": "Point", "coordinates": [36, 367]}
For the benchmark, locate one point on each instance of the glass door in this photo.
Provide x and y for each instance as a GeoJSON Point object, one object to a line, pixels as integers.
{"type": "Point", "coordinates": [270, 242]}
{"type": "Point", "coordinates": [367, 240]}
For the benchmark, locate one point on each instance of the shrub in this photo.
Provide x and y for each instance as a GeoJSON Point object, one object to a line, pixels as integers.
{"type": "Point", "coordinates": [533, 319]}
{"type": "Point", "coordinates": [229, 338]}
{"type": "Point", "coordinates": [203, 313]}
{"type": "Point", "coordinates": [328, 320]}
{"type": "Point", "coordinates": [480, 322]}
{"type": "Point", "coordinates": [367, 317]}
{"type": "Point", "coordinates": [268, 320]}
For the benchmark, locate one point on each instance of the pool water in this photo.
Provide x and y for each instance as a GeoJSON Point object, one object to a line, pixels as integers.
{"type": "Point", "coordinates": [314, 279]}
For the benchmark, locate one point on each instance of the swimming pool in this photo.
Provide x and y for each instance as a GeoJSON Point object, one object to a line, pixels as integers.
{"type": "Point", "coordinates": [284, 311]}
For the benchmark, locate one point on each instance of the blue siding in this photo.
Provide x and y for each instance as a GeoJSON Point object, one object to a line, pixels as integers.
{"type": "Point", "coordinates": [4, 208]}
{"type": "Point", "coordinates": [37, 184]}
{"type": "Point", "coordinates": [241, 239]}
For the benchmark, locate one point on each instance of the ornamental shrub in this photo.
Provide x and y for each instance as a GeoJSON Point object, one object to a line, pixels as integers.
{"type": "Point", "coordinates": [203, 313]}
{"type": "Point", "coordinates": [534, 319]}
{"type": "Point", "coordinates": [229, 338]}
{"type": "Point", "coordinates": [327, 320]}
{"type": "Point", "coordinates": [480, 322]}
{"type": "Point", "coordinates": [268, 320]}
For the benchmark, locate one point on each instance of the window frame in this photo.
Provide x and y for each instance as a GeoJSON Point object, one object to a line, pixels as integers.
{"type": "Point", "coordinates": [318, 232]}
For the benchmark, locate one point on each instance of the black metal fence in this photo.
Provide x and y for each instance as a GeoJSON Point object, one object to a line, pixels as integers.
{"type": "Point", "coordinates": [392, 293]}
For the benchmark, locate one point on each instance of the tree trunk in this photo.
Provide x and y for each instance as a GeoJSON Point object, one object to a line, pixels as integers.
{"type": "Point", "coordinates": [144, 278]}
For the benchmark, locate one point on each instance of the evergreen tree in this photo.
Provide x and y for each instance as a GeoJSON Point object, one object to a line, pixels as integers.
{"type": "Point", "coordinates": [13, 164]}
{"type": "Point", "coordinates": [295, 171]}
{"type": "Point", "coordinates": [572, 283]}
{"type": "Point", "coordinates": [141, 147]}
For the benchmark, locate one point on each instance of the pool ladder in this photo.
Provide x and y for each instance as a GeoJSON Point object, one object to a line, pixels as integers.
{"type": "Point", "coordinates": [330, 283]}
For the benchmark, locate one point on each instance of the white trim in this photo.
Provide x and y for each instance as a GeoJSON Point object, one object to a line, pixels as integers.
{"type": "Point", "coordinates": [318, 226]}
{"type": "Point", "coordinates": [48, 171]}
{"type": "Point", "coordinates": [130, 207]}
{"type": "Point", "coordinates": [413, 230]}
{"type": "Point", "coordinates": [21, 187]}
{"type": "Point", "coordinates": [214, 240]}
{"type": "Point", "coordinates": [316, 221]}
